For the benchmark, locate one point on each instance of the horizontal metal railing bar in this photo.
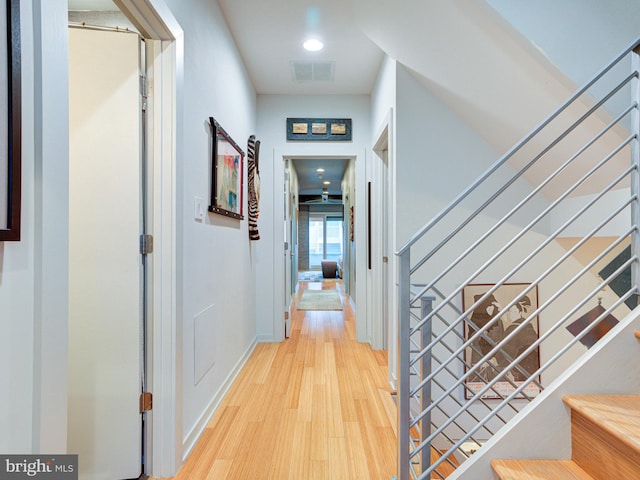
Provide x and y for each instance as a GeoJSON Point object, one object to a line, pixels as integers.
{"type": "Point", "coordinates": [517, 147]}
{"type": "Point", "coordinates": [533, 314]}
{"type": "Point", "coordinates": [545, 304]}
{"type": "Point", "coordinates": [521, 172]}
{"type": "Point", "coordinates": [571, 343]}
{"type": "Point", "coordinates": [522, 202]}
{"type": "Point", "coordinates": [525, 261]}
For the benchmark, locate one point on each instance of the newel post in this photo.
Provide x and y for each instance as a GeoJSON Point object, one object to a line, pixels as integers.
{"type": "Point", "coordinates": [404, 299]}
{"type": "Point", "coordinates": [635, 161]}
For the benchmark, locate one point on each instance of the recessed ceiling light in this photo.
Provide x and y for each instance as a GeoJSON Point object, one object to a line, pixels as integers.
{"type": "Point", "coordinates": [326, 182]}
{"type": "Point", "coordinates": [319, 170]}
{"type": "Point", "coordinates": [313, 45]}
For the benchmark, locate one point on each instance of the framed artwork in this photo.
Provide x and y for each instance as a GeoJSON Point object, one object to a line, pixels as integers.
{"type": "Point", "coordinates": [227, 160]}
{"type": "Point", "coordinates": [10, 121]}
{"type": "Point", "coordinates": [319, 129]}
{"type": "Point", "coordinates": [484, 313]}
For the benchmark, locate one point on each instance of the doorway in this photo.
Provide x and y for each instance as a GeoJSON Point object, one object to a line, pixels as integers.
{"type": "Point", "coordinates": [106, 275]}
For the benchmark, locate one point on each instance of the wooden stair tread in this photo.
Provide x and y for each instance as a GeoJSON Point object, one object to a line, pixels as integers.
{"type": "Point", "coordinates": [618, 414]}
{"type": "Point", "coordinates": [538, 470]}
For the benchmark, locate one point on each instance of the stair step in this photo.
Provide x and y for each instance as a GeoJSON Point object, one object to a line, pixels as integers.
{"type": "Point", "coordinates": [539, 470]}
{"type": "Point", "coordinates": [605, 434]}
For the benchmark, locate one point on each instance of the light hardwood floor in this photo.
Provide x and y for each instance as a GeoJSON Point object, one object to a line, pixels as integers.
{"type": "Point", "coordinates": [316, 406]}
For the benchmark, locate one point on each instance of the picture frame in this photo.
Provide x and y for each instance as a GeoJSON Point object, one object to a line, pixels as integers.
{"type": "Point", "coordinates": [319, 129]}
{"type": "Point", "coordinates": [484, 313]}
{"type": "Point", "coordinates": [227, 169]}
{"type": "Point", "coordinates": [10, 122]}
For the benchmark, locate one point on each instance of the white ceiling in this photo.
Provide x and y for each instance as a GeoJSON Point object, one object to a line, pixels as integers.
{"type": "Point", "coordinates": [310, 182]}
{"type": "Point", "coordinates": [270, 34]}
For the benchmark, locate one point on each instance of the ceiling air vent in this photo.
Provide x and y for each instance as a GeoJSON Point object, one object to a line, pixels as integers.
{"type": "Point", "coordinates": [312, 71]}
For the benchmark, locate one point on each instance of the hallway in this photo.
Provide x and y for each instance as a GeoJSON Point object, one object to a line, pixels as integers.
{"type": "Point", "coordinates": [316, 406]}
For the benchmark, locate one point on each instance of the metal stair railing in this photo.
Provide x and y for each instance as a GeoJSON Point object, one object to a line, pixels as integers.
{"type": "Point", "coordinates": [530, 256]}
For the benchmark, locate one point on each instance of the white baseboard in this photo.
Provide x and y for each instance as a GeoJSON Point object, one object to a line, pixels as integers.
{"type": "Point", "coordinates": [352, 303]}
{"type": "Point", "coordinates": [393, 382]}
{"type": "Point", "coordinates": [265, 339]}
{"type": "Point", "coordinates": [190, 440]}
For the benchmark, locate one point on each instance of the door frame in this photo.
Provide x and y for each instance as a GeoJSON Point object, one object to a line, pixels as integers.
{"type": "Point", "coordinates": [157, 24]}
{"type": "Point", "coordinates": [384, 333]}
{"type": "Point", "coordinates": [165, 45]}
{"type": "Point", "coordinates": [279, 213]}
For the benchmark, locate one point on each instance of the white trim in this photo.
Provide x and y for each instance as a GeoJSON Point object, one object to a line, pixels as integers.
{"type": "Point", "coordinates": [154, 20]}
{"type": "Point", "coordinates": [262, 338]}
{"type": "Point", "coordinates": [385, 140]}
{"type": "Point", "coordinates": [193, 436]}
{"type": "Point", "coordinates": [50, 216]}
{"type": "Point", "coordinates": [163, 372]}
{"type": "Point", "coordinates": [353, 305]}
{"type": "Point", "coordinates": [278, 207]}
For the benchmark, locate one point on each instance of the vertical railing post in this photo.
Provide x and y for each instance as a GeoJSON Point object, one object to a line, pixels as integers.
{"type": "Point", "coordinates": [404, 300]}
{"type": "Point", "coordinates": [426, 307]}
{"type": "Point", "coordinates": [635, 160]}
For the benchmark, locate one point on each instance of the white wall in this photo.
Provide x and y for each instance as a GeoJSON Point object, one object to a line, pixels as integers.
{"type": "Point", "coordinates": [273, 110]}
{"type": "Point", "coordinates": [383, 95]}
{"type": "Point", "coordinates": [216, 276]}
{"type": "Point", "coordinates": [33, 299]}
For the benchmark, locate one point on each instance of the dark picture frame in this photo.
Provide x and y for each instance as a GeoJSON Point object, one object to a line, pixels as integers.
{"type": "Point", "coordinates": [11, 123]}
{"type": "Point", "coordinates": [319, 129]}
{"type": "Point", "coordinates": [484, 313]}
{"type": "Point", "coordinates": [227, 160]}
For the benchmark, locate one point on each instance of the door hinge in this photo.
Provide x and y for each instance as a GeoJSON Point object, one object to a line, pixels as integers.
{"type": "Point", "coordinates": [144, 86]}
{"type": "Point", "coordinates": [146, 401]}
{"type": "Point", "coordinates": [286, 315]}
{"type": "Point", "coordinates": [146, 244]}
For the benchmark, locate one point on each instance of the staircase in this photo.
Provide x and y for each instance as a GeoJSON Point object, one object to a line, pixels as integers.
{"type": "Point", "coordinates": [605, 440]}
{"type": "Point", "coordinates": [503, 293]}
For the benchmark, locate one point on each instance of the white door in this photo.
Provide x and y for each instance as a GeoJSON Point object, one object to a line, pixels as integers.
{"type": "Point", "coordinates": [287, 249]}
{"type": "Point", "coordinates": [105, 304]}
{"type": "Point", "coordinates": [386, 290]}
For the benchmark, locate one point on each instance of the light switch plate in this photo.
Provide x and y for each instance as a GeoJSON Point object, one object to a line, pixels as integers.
{"type": "Point", "coordinates": [199, 209]}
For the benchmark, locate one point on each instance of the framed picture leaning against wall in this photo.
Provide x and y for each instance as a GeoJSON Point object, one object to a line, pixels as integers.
{"type": "Point", "coordinates": [489, 312]}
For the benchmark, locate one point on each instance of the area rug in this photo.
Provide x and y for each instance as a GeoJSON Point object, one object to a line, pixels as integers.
{"type": "Point", "coordinates": [320, 300]}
